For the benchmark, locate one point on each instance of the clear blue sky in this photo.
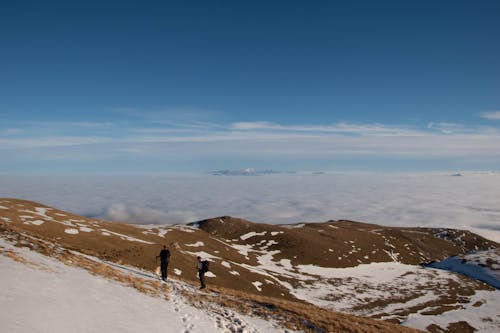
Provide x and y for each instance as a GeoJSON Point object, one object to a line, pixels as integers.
{"type": "Point", "coordinates": [202, 85]}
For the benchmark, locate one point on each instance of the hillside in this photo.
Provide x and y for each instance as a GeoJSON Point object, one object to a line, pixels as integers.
{"type": "Point", "coordinates": [305, 269]}
{"type": "Point", "coordinates": [75, 293]}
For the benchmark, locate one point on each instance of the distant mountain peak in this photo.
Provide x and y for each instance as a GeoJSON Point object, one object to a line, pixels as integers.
{"type": "Point", "coordinates": [244, 172]}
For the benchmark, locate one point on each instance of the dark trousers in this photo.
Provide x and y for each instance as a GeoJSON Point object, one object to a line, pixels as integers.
{"type": "Point", "coordinates": [164, 266]}
{"type": "Point", "coordinates": [201, 275]}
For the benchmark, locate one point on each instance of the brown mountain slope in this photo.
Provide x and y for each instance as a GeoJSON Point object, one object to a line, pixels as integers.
{"type": "Point", "coordinates": [304, 263]}
{"type": "Point", "coordinates": [347, 243]}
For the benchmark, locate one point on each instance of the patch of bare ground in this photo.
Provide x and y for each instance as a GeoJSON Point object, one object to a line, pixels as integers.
{"type": "Point", "coordinates": [458, 327]}
{"type": "Point", "coordinates": [478, 304]}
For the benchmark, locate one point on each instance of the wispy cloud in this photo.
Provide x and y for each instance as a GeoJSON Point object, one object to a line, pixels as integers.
{"type": "Point", "coordinates": [341, 128]}
{"type": "Point", "coordinates": [177, 116]}
{"type": "Point", "coordinates": [494, 115]}
{"type": "Point", "coordinates": [66, 124]}
{"type": "Point", "coordinates": [88, 124]}
{"type": "Point", "coordinates": [181, 142]}
{"type": "Point", "coordinates": [10, 131]}
{"type": "Point", "coordinates": [375, 129]}
{"type": "Point", "coordinates": [255, 125]}
{"type": "Point", "coordinates": [450, 128]}
{"type": "Point", "coordinates": [53, 141]}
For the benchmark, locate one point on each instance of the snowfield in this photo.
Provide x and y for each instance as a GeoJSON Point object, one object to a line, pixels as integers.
{"type": "Point", "coordinates": [41, 294]}
{"type": "Point", "coordinates": [346, 289]}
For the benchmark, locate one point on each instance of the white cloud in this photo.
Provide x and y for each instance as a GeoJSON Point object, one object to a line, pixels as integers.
{"type": "Point", "coordinates": [253, 140]}
{"type": "Point", "coordinates": [139, 214]}
{"type": "Point", "coordinates": [425, 199]}
{"type": "Point", "coordinates": [340, 128]}
{"type": "Point", "coordinates": [254, 125]}
{"type": "Point", "coordinates": [494, 115]}
{"type": "Point", "coordinates": [53, 141]}
{"type": "Point", "coordinates": [446, 128]}
{"type": "Point", "coordinates": [10, 131]}
{"type": "Point", "coordinates": [89, 124]}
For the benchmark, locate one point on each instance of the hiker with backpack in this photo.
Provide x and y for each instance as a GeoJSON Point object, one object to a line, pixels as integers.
{"type": "Point", "coordinates": [202, 269]}
{"type": "Point", "coordinates": [164, 260]}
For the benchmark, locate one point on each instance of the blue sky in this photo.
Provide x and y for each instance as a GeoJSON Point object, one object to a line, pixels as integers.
{"type": "Point", "coordinates": [293, 85]}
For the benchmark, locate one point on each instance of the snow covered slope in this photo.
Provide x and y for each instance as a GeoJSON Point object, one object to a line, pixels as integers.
{"type": "Point", "coordinates": [41, 294]}
{"type": "Point", "coordinates": [63, 290]}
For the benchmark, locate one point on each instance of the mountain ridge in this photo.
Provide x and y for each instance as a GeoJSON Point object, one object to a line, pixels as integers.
{"type": "Point", "coordinates": [283, 262]}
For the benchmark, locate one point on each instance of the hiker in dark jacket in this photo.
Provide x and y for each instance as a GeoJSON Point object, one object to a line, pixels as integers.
{"type": "Point", "coordinates": [164, 260]}
{"type": "Point", "coordinates": [201, 273]}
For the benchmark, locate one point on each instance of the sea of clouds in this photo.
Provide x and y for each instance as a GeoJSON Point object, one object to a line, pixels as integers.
{"type": "Point", "coordinates": [470, 201]}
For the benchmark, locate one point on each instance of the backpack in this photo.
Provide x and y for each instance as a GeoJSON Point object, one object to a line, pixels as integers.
{"type": "Point", "coordinates": [205, 264]}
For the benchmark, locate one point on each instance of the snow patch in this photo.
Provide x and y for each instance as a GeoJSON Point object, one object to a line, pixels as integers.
{"type": "Point", "coordinates": [197, 244]}
{"type": "Point", "coordinates": [252, 234]}
{"type": "Point", "coordinates": [286, 263]}
{"type": "Point", "coordinates": [125, 237]}
{"type": "Point", "coordinates": [257, 285]}
{"type": "Point", "coordinates": [71, 231]}
{"type": "Point", "coordinates": [153, 229]}
{"type": "Point", "coordinates": [269, 243]}
{"type": "Point", "coordinates": [210, 274]}
{"type": "Point", "coordinates": [202, 254]}
{"type": "Point", "coordinates": [293, 226]}
{"type": "Point", "coordinates": [185, 228]}
{"type": "Point", "coordinates": [242, 249]}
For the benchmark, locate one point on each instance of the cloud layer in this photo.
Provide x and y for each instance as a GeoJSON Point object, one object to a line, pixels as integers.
{"type": "Point", "coordinates": [140, 214]}
{"type": "Point", "coordinates": [175, 145]}
{"type": "Point", "coordinates": [425, 199]}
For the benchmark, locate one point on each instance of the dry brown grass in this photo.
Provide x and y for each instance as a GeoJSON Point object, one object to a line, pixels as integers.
{"type": "Point", "coordinates": [151, 288]}
{"type": "Point", "coordinates": [17, 257]}
{"type": "Point", "coordinates": [461, 327]}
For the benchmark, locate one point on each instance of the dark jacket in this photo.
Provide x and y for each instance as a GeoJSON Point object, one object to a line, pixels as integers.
{"type": "Point", "coordinates": [165, 255]}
